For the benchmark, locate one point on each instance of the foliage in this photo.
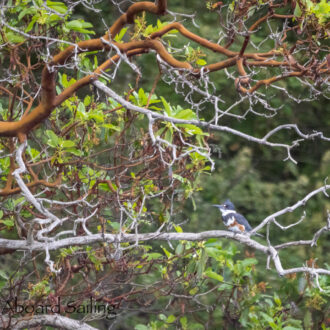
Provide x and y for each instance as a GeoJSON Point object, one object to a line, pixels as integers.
{"type": "Point", "coordinates": [94, 164]}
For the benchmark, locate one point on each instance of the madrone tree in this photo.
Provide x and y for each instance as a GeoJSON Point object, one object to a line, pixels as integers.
{"type": "Point", "coordinates": [94, 161]}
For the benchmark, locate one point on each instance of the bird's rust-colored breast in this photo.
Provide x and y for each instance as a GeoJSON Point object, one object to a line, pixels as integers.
{"type": "Point", "coordinates": [237, 225]}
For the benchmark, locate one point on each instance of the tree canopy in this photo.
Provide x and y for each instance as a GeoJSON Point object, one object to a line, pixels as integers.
{"type": "Point", "coordinates": [122, 122]}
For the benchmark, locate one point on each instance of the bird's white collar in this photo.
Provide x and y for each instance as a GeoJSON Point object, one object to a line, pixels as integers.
{"type": "Point", "coordinates": [226, 212]}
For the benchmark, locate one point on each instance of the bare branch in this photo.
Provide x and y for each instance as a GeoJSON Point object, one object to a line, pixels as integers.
{"type": "Point", "coordinates": [57, 321]}
{"type": "Point", "coordinates": [300, 203]}
{"type": "Point", "coordinates": [263, 141]}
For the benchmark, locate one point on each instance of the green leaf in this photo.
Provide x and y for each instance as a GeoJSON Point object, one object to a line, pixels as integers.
{"type": "Point", "coordinates": [277, 300]}
{"type": "Point", "coordinates": [213, 252]}
{"type": "Point", "coordinates": [141, 327]}
{"type": "Point", "coordinates": [33, 153]}
{"type": "Point", "coordinates": [97, 116]}
{"type": "Point", "coordinates": [297, 10]}
{"type": "Point", "coordinates": [178, 177]}
{"type": "Point", "coordinates": [171, 319]}
{"type": "Point", "coordinates": [192, 129]}
{"type": "Point", "coordinates": [213, 242]}
{"type": "Point", "coordinates": [186, 114]}
{"type": "Point", "coordinates": [1, 214]}
{"type": "Point", "coordinates": [14, 38]}
{"type": "Point", "coordinates": [8, 222]}
{"type": "Point", "coordinates": [184, 322]}
{"type": "Point", "coordinates": [53, 139]}
{"type": "Point", "coordinates": [25, 11]}
{"type": "Point", "coordinates": [3, 275]}
{"type": "Point", "coordinates": [249, 262]}
{"type": "Point", "coordinates": [74, 151]}
{"type": "Point", "coordinates": [231, 7]}
{"type": "Point", "coordinates": [201, 62]}
{"type": "Point", "coordinates": [104, 186]}
{"type": "Point", "coordinates": [57, 6]}
{"type": "Point", "coordinates": [322, 11]}
{"type": "Point", "coordinates": [121, 34]}
{"type": "Point", "coordinates": [211, 274]}
{"type": "Point", "coordinates": [308, 320]}
{"type": "Point", "coordinates": [81, 107]}
{"type": "Point", "coordinates": [96, 63]}
{"type": "Point", "coordinates": [167, 107]}
{"type": "Point", "coordinates": [64, 80]}
{"type": "Point", "coordinates": [179, 249]}
{"type": "Point", "coordinates": [67, 144]}
{"type": "Point", "coordinates": [87, 100]}
{"type": "Point", "coordinates": [142, 97]}
{"type": "Point", "coordinates": [79, 26]}
{"type": "Point", "coordinates": [168, 254]}
{"type": "Point", "coordinates": [193, 291]}
{"type": "Point", "coordinates": [267, 317]}
{"type": "Point", "coordinates": [81, 111]}
{"type": "Point", "coordinates": [225, 286]}
{"type": "Point", "coordinates": [168, 136]}
{"type": "Point", "coordinates": [153, 256]}
{"type": "Point", "coordinates": [111, 127]}
{"type": "Point", "coordinates": [19, 200]}
{"type": "Point", "coordinates": [177, 228]}
{"type": "Point", "coordinates": [30, 26]}
{"type": "Point", "coordinates": [201, 263]}
{"type": "Point", "coordinates": [115, 225]}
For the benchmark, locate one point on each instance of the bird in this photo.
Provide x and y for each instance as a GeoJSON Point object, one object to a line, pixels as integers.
{"type": "Point", "coordinates": [232, 220]}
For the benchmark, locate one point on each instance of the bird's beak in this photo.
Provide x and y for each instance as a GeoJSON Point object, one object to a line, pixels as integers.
{"type": "Point", "coordinates": [218, 206]}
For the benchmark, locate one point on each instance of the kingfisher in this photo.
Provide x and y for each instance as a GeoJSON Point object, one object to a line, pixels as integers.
{"type": "Point", "coordinates": [232, 220]}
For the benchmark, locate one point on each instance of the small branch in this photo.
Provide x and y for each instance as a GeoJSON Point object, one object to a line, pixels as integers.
{"type": "Point", "coordinates": [291, 208]}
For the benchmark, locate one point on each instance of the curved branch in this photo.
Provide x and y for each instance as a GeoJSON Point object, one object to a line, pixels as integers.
{"type": "Point", "coordinates": [291, 208]}
{"type": "Point", "coordinates": [133, 238]}
{"type": "Point", "coordinates": [132, 11]}
{"type": "Point", "coordinates": [11, 191]}
{"type": "Point", "coordinates": [50, 100]}
{"type": "Point", "coordinates": [55, 243]}
{"type": "Point", "coordinates": [57, 321]}
{"type": "Point", "coordinates": [263, 141]}
{"type": "Point", "coordinates": [208, 44]}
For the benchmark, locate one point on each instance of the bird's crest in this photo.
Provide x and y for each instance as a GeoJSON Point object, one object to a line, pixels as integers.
{"type": "Point", "coordinates": [229, 205]}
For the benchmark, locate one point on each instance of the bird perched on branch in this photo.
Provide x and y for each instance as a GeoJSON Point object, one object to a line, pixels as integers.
{"type": "Point", "coordinates": [232, 220]}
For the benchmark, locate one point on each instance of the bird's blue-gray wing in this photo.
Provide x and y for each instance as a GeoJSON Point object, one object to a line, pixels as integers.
{"type": "Point", "coordinates": [241, 220]}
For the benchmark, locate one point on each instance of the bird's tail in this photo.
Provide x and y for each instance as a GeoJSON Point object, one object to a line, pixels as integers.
{"type": "Point", "coordinates": [257, 234]}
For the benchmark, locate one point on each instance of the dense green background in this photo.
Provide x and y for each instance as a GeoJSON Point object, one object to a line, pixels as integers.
{"type": "Point", "coordinates": [255, 178]}
{"type": "Point", "coordinates": [259, 183]}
